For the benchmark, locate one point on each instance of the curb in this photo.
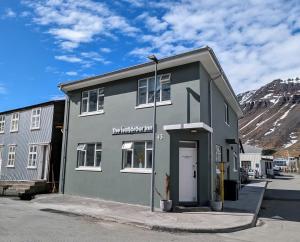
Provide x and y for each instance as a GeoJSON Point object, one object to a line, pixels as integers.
{"type": "Point", "coordinates": [254, 221]}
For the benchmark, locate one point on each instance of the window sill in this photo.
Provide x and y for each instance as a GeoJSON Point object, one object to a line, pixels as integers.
{"type": "Point", "coordinates": [2, 132]}
{"type": "Point", "coordinates": [88, 169]}
{"type": "Point", "coordinates": [31, 167]}
{"type": "Point", "coordinates": [10, 166]}
{"type": "Point", "coordinates": [136, 170]}
{"type": "Point", "coordinates": [91, 113]}
{"type": "Point", "coordinates": [149, 105]}
{"type": "Point", "coordinates": [33, 129]}
{"type": "Point", "coordinates": [14, 131]}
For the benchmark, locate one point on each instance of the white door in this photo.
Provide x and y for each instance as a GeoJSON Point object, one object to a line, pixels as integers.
{"type": "Point", "coordinates": [187, 174]}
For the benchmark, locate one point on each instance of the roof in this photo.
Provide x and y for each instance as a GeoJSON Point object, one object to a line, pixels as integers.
{"type": "Point", "coordinates": [252, 149]}
{"type": "Point", "coordinates": [32, 106]}
{"type": "Point", "coordinates": [205, 55]}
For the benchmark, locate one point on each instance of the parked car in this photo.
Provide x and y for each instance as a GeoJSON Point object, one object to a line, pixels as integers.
{"type": "Point", "coordinates": [243, 176]}
{"type": "Point", "coordinates": [276, 171]}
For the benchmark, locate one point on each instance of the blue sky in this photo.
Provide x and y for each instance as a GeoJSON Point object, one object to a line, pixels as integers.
{"type": "Point", "coordinates": [46, 42]}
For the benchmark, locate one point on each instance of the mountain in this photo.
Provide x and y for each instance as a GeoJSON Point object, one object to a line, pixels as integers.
{"type": "Point", "coordinates": [272, 116]}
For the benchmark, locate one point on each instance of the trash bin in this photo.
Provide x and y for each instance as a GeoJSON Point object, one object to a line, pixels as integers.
{"type": "Point", "coordinates": [231, 190]}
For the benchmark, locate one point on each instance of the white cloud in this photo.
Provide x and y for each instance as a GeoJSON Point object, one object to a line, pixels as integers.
{"type": "Point", "coordinates": [3, 89]}
{"type": "Point", "coordinates": [105, 50]}
{"type": "Point", "coordinates": [57, 97]}
{"type": "Point", "coordinates": [71, 59]}
{"type": "Point", "coordinates": [75, 22]}
{"type": "Point", "coordinates": [9, 13]}
{"type": "Point", "coordinates": [71, 73]}
{"type": "Point", "coordinates": [255, 41]}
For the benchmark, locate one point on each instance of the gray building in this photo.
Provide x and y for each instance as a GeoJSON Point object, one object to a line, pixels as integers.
{"type": "Point", "coordinates": [30, 142]}
{"type": "Point", "coordinates": [108, 132]}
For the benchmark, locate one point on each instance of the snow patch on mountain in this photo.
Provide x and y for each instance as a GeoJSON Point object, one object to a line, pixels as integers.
{"type": "Point", "coordinates": [293, 140]}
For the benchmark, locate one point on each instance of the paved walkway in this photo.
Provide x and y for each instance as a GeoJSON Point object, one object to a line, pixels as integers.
{"type": "Point", "coordinates": [208, 222]}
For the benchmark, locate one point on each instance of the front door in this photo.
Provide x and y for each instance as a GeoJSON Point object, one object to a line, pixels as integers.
{"type": "Point", "coordinates": [188, 172]}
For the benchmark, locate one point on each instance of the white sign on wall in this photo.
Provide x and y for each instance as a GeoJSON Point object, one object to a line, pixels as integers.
{"type": "Point", "coordinates": [132, 130]}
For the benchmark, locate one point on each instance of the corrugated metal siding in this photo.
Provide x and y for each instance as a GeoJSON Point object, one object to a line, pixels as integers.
{"type": "Point", "coordinates": [22, 139]}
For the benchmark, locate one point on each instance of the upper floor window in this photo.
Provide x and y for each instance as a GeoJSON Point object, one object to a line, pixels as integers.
{"type": "Point", "coordinates": [32, 156]}
{"type": "Point", "coordinates": [226, 113]}
{"type": "Point", "coordinates": [2, 123]}
{"type": "Point", "coordinates": [89, 155]}
{"type": "Point", "coordinates": [92, 101]}
{"type": "Point", "coordinates": [14, 125]}
{"type": "Point", "coordinates": [11, 156]}
{"type": "Point", "coordinates": [146, 89]}
{"type": "Point", "coordinates": [35, 118]}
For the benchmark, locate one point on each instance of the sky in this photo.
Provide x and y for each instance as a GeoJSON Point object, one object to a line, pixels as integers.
{"type": "Point", "coordinates": [46, 42]}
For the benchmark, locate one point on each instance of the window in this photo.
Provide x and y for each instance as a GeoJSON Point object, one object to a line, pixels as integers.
{"type": "Point", "coordinates": [137, 155]}
{"type": "Point", "coordinates": [226, 114]}
{"type": "Point", "coordinates": [146, 89]}
{"type": "Point", "coordinates": [228, 155]}
{"type": "Point", "coordinates": [1, 155]}
{"type": "Point", "coordinates": [92, 101]}
{"type": "Point", "coordinates": [2, 123]}
{"type": "Point", "coordinates": [32, 156]}
{"type": "Point", "coordinates": [35, 118]}
{"type": "Point", "coordinates": [11, 156]}
{"type": "Point", "coordinates": [14, 126]}
{"type": "Point", "coordinates": [235, 161]}
{"type": "Point", "coordinates": [89, 155]}
{"type": "Point", "coordinates": [219, 155]}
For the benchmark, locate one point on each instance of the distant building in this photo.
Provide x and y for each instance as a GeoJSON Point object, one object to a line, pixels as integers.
{"type": "Point", "coordinates": [30, 142]}
{"type": "Point", "coordinates": [253, 159]}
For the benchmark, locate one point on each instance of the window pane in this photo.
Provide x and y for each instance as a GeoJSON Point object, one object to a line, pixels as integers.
{"type": "Point", "coordinates": [143, 83]}
{"type": "Point", "coordinates": [149, 158]}
{"type": "Point", "coordinates": [149, 145]}
{"type": "Point", "coordinates": [166, 94]}
{"type": "Point", "coordinates": [80, 159]}
{"type": "Point", "coordinates": [100, 102]}
{"type": "Point", "coordinates": [127, 158]}
{"type": "Point", "coordinates": [93, 101]}
{"type": "Point", "coordinates": [98, 158]}
{"type": "Point", "coordinates": [85, 94]}
{"type": "Point", "coordinates": [142, 95]}
{"type": "Point", "coordinates": [90, 155]}
{"type": "Point", "coordinates": [139, 155]}
{"type": "Point", "coordinates": [151, 90]}
{"type": "Point", "coordinates": [84, 105]}
{"type": "Point", "coordinates": [98, 146]}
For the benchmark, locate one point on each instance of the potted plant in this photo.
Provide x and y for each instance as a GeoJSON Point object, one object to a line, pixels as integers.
{"type": "Point", "coordinates": [165, 202]}
{"type": "Point", "coordinates": [217, 204]}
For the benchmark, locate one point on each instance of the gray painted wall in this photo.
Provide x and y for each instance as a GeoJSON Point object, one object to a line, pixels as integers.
{"type": "Point", "coordinates": [189, 84]}
{"type": "Point", "coordinates": [22, 139]}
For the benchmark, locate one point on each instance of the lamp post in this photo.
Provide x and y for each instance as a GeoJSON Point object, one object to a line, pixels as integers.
{"type": "Point", "coordinates": [155, 60]}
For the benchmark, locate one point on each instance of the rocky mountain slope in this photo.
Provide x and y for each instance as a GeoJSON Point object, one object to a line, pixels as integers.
{"type": "Point", "coordinates": [272, 116]}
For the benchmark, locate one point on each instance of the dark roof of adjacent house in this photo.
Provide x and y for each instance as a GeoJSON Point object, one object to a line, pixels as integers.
{"type": "Point", "coordinates": [205, 55]}
{"type": "Point", "coordinates": [32, 106]}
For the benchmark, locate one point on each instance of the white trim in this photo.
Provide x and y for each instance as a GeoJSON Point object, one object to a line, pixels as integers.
{"type": "Point", "coordinates": [2, 123]}
{"type": "Point", "coordinates": [85, 168]}
{"type": "Point", "coordinates": [31, 167]}
{"type": "Point", "coordinates": [91, 113]}
{"type": "Point", "coordinates": [16, 120]}
{"type": "Point", "coordinates": [10, 166]}
{"type": "Point", "coordinates": [100, 93]}
{"type": "Point", "coordinates": [199, 125]}
{"type": "Point", "coordinates": [41, 143]}
{"type": "Point", "coordinates": [137, 170]}
{"type": "Point", "coordinates": [35, 116]}
{"type": "Point", "coordinates": [32, 153]}
{"type": "Point", "coordinates": [149, 105]}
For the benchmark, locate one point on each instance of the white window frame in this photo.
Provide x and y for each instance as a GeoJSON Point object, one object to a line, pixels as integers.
{"type": "Point", "coordinates": [32, 163]}
{"type": "Point", "coordinates": [14, 124]}
{"type": "Point", "coordinates": [226, 113]}
{"type": "Point", "coordinates": [2, 124]}
{"type": "Point", "coordinates": [160, 83]}
{"type": "Point", "coordinates": [11, 156]}
{"type": "Point", "coordinates": [235, 162]}
{"type": "Point", "coordinates": [219, 153]}
{"type": "Point", "coordinates": [82, 147]}
{"type": "Point", "coordinates": [132, 169]}
{"type": "Point", "coordinates": [1, 155]}
{"type": "Point", "coordinates": [35, 119]}
{"type": "Point", "coordinates": [100, 93]}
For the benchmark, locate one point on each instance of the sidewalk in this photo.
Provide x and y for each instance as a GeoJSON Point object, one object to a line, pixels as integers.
{"type": "Point", "coordinates": [238, 215]}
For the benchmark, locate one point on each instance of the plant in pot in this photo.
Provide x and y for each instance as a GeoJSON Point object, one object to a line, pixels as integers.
{"type": "Point", "coordinates": [165, 202]}
{"type": "Point", "coordinates": [217, 204]}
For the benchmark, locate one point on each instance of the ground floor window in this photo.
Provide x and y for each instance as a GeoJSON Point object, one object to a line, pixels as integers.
{"type": "Point", "coordinates": [32, 156]}
{"type": "Point", "coordinates": [89, 155]}
{"type": "Point", "coordinates": [11, 156]}
{"type": "Point", "coordinates": [246, 164]}
{"type": "Point", "coordinates": [137, 155]}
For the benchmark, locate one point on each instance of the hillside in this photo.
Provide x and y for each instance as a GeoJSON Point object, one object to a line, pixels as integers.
{"type": "Point", "coordinates": [272, 116]}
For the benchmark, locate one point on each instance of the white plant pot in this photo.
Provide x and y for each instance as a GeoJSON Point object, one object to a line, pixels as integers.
{"type": "Point", "coordinates": [166, 205]}
{"type": "Point", "coordinates": [216, 205]}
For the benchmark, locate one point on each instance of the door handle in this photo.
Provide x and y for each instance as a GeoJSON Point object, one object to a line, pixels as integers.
{"type": "Point", "coordinates": [194, 174]}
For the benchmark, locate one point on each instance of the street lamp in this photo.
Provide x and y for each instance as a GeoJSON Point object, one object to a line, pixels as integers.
{"type": "Point", "coordinates": [155, 60]}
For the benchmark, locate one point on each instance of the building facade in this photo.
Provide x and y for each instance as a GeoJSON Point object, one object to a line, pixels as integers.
{"type": "Point", "coordinates": [108, 132]}
{"type": "Point", "coordinates": [30, 142]}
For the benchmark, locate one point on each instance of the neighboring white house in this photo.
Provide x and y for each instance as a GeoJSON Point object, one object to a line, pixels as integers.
{"type": "Point", "coordinates": [253, 159]}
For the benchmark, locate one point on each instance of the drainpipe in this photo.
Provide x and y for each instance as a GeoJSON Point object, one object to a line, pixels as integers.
{"type": "Point", "coordinates": [65, 144]}
{"type": "Point", "coordinates": [211, 144]}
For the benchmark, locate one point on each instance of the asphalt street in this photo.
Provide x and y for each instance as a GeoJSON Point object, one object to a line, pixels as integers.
{"type": "Point", "coordinates": [278, 221]}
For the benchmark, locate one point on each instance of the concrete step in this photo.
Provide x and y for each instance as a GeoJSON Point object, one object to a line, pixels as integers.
{"type": "Point", "coordinates": [182, 209]}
